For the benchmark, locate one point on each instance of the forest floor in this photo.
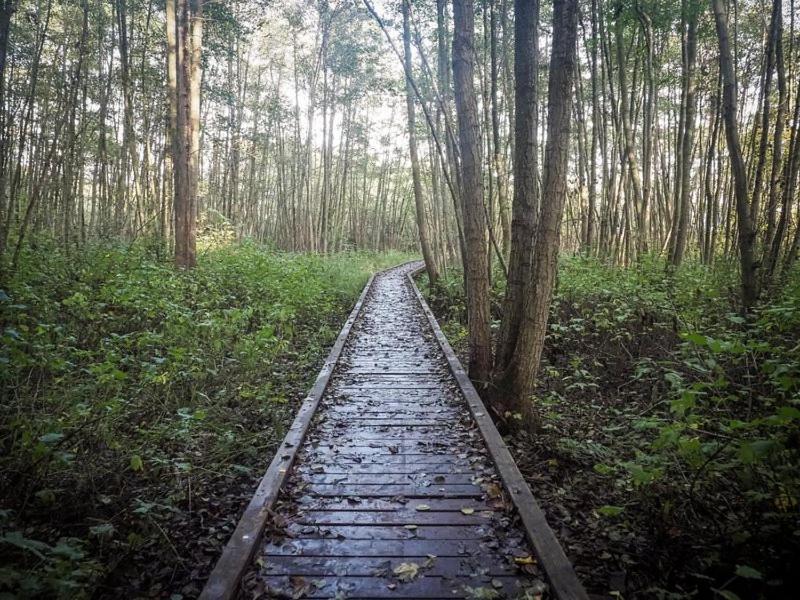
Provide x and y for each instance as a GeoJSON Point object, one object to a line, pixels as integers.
{"type": "Point", "coordinates": [665, 451]}
{"type": "Point", "coordinates": [141, 406]}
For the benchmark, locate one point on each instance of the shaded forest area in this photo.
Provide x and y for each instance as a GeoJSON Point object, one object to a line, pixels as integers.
{"type": "Point", "coordinates": [604, 192]}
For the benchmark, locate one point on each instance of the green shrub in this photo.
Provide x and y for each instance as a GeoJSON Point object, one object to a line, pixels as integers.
{"type": "Point", "coordinates": [128, 385]}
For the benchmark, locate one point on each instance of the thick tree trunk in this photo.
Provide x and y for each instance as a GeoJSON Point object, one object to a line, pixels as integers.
{"type": "Point", "coordinates": [185, 94]}
{"type": "Point", "coordinates": [476, 260]}
{"type": "Point", "coordinates": [521, 374]}
{"type": "Point", "coordinates": [525, 201]}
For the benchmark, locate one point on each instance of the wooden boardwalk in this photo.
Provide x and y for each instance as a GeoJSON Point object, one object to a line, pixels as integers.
{"type": "Point", "coordinates": [400, 486]}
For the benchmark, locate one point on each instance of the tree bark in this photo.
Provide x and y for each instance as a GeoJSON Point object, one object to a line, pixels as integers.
{"type": "Point", "coordinates": [686, 135]}
{"type": "Point", "coordinates": [419, 200]}
{"type": "Point", "coordinates": [525, 201]}
{"type": "Point", "coordinates": [477, 258]}
{"type": "Point", "coordinates": [740, 186]}
{"type": "Point", "coordinates": [185, 94]}
{"type": "Point", "coordinates": [521, 375]}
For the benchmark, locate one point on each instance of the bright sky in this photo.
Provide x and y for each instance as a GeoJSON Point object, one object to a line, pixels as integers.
{"type": "Point", "coordinates": [273, 45]}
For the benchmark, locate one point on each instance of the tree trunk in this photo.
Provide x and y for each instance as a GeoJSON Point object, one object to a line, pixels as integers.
{"type": "Point", "coordinates": [524, 207]}
{"type": "Point", "coordinates": [185, 95]}
{"type": "Point", "coordinates": [685, 143]}
{"type": "Point", "coordinates": [744, 220]}
{"type": "Point", "coordinates": [477, 259]}
{"type": "Point", "coordinates": [419, 199]}
{"type": "Point", "coordinates": [521, 375]}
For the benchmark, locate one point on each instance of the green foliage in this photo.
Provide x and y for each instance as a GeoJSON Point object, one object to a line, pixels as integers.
{"type": "Point", "coordinates": [127, 384]}
{"type": "Point", "coordinates": [682, 413]}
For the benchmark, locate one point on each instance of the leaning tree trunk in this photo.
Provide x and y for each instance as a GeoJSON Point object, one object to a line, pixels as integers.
{"type": "Point", "coordinates": [538, 294]}
{"type": "Point", "coordinates": [744, 219]}
{"type": "Point", "coordinates": [476, 261]}
{"type": "Point", "coordinates": [419, 200]}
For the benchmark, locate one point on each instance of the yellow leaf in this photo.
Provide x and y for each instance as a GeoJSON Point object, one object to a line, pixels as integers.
{"type": "Point", "coordinates": [493, 490]}
{"type": "Point", "coordinates": [406, 571]}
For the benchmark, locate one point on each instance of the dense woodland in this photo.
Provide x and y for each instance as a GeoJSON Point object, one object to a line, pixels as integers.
{"type": "Point", "coordinates": [604, 193]}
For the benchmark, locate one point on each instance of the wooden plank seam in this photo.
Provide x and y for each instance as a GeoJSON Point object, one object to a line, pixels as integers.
{"type": "Point", "coordinates": [223, 583]}
{"type": "Point", "coordinates": [558, 569]}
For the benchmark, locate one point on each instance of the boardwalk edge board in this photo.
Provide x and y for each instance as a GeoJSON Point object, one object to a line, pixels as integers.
{"type": "Point", "coordinates": [223, 583]}
{"type": "Point", "coordinates": [558, 569]}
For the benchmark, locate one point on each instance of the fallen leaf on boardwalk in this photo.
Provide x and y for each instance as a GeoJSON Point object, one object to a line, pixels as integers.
{"type": "Point", "coordinates": [429, 561]}
{"type": "Point", "coordinates": [410, 526]}
{"type": "Point", "coordinates": [493, 490]}
{"type": "Point", "coordinates": [467, 510]}
{"type": "Point", "coordinates": [406, 571]}
{"type": "Point", "coordinates": [300, 587]}
{"type": "Point", "coordinates": [525, 560]}
{"type": "Point", "coordinates": [481, 593]}
{"type": "Point", "coordinates": [497, 584]}
{"type": "Point", "coordinates": [423, 507]}
{"type": "Point", "coordinates": [391, 586]}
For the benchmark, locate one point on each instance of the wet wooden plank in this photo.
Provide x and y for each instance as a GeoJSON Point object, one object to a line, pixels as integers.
{"type": "Point", "coordinates": [427, 461]}
{"type": "Point", "coordinates": [390, 478]}
{"type": "Point", "coordinates": [398, 469]}
{"type": "Point", "coordinates": [365, 505]}
{"type": "Point", "coordinates": [368, 566]}
{"type": "Point", "coordinates": [347, 406]}
{"type": "Point", "coordinates": [391, 490]}
{"type": "Point", "coordinates": [390, 386]}
{"type": "Point", "coordinates": [408, 434]}
{"type": "Point", "coordinates": [397, 517]}
{"type": "Point", "coordinates": [426, 586]}
{"type": "Point", "coordinates": [382, 420]}
{"type": "Point", "coordinates": [370, 447]}
{"type": "Point", "coordinates": [389, 532]}
{"type": "Point", "coordinates": [380, 548]}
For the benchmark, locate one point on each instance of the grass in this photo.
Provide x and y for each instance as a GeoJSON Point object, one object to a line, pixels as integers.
{"type": "Point", "coordinates": [140, 404]}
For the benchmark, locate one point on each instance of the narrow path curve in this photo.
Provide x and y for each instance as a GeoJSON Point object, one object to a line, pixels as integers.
{"type": "Point", "coordinates": [393, 493]}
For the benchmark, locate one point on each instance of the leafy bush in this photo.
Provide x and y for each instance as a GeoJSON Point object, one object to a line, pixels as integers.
{"type": "Point", "coordinates": [130, 389]}
{"type": "Point", "coordinates": [672, 422]}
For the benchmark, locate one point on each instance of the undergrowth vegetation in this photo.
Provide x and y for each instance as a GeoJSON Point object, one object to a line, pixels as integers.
{"type": "Point", "coordinates": [140, 404]}
{"type": "Point", "coordinates": [668, 429]}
